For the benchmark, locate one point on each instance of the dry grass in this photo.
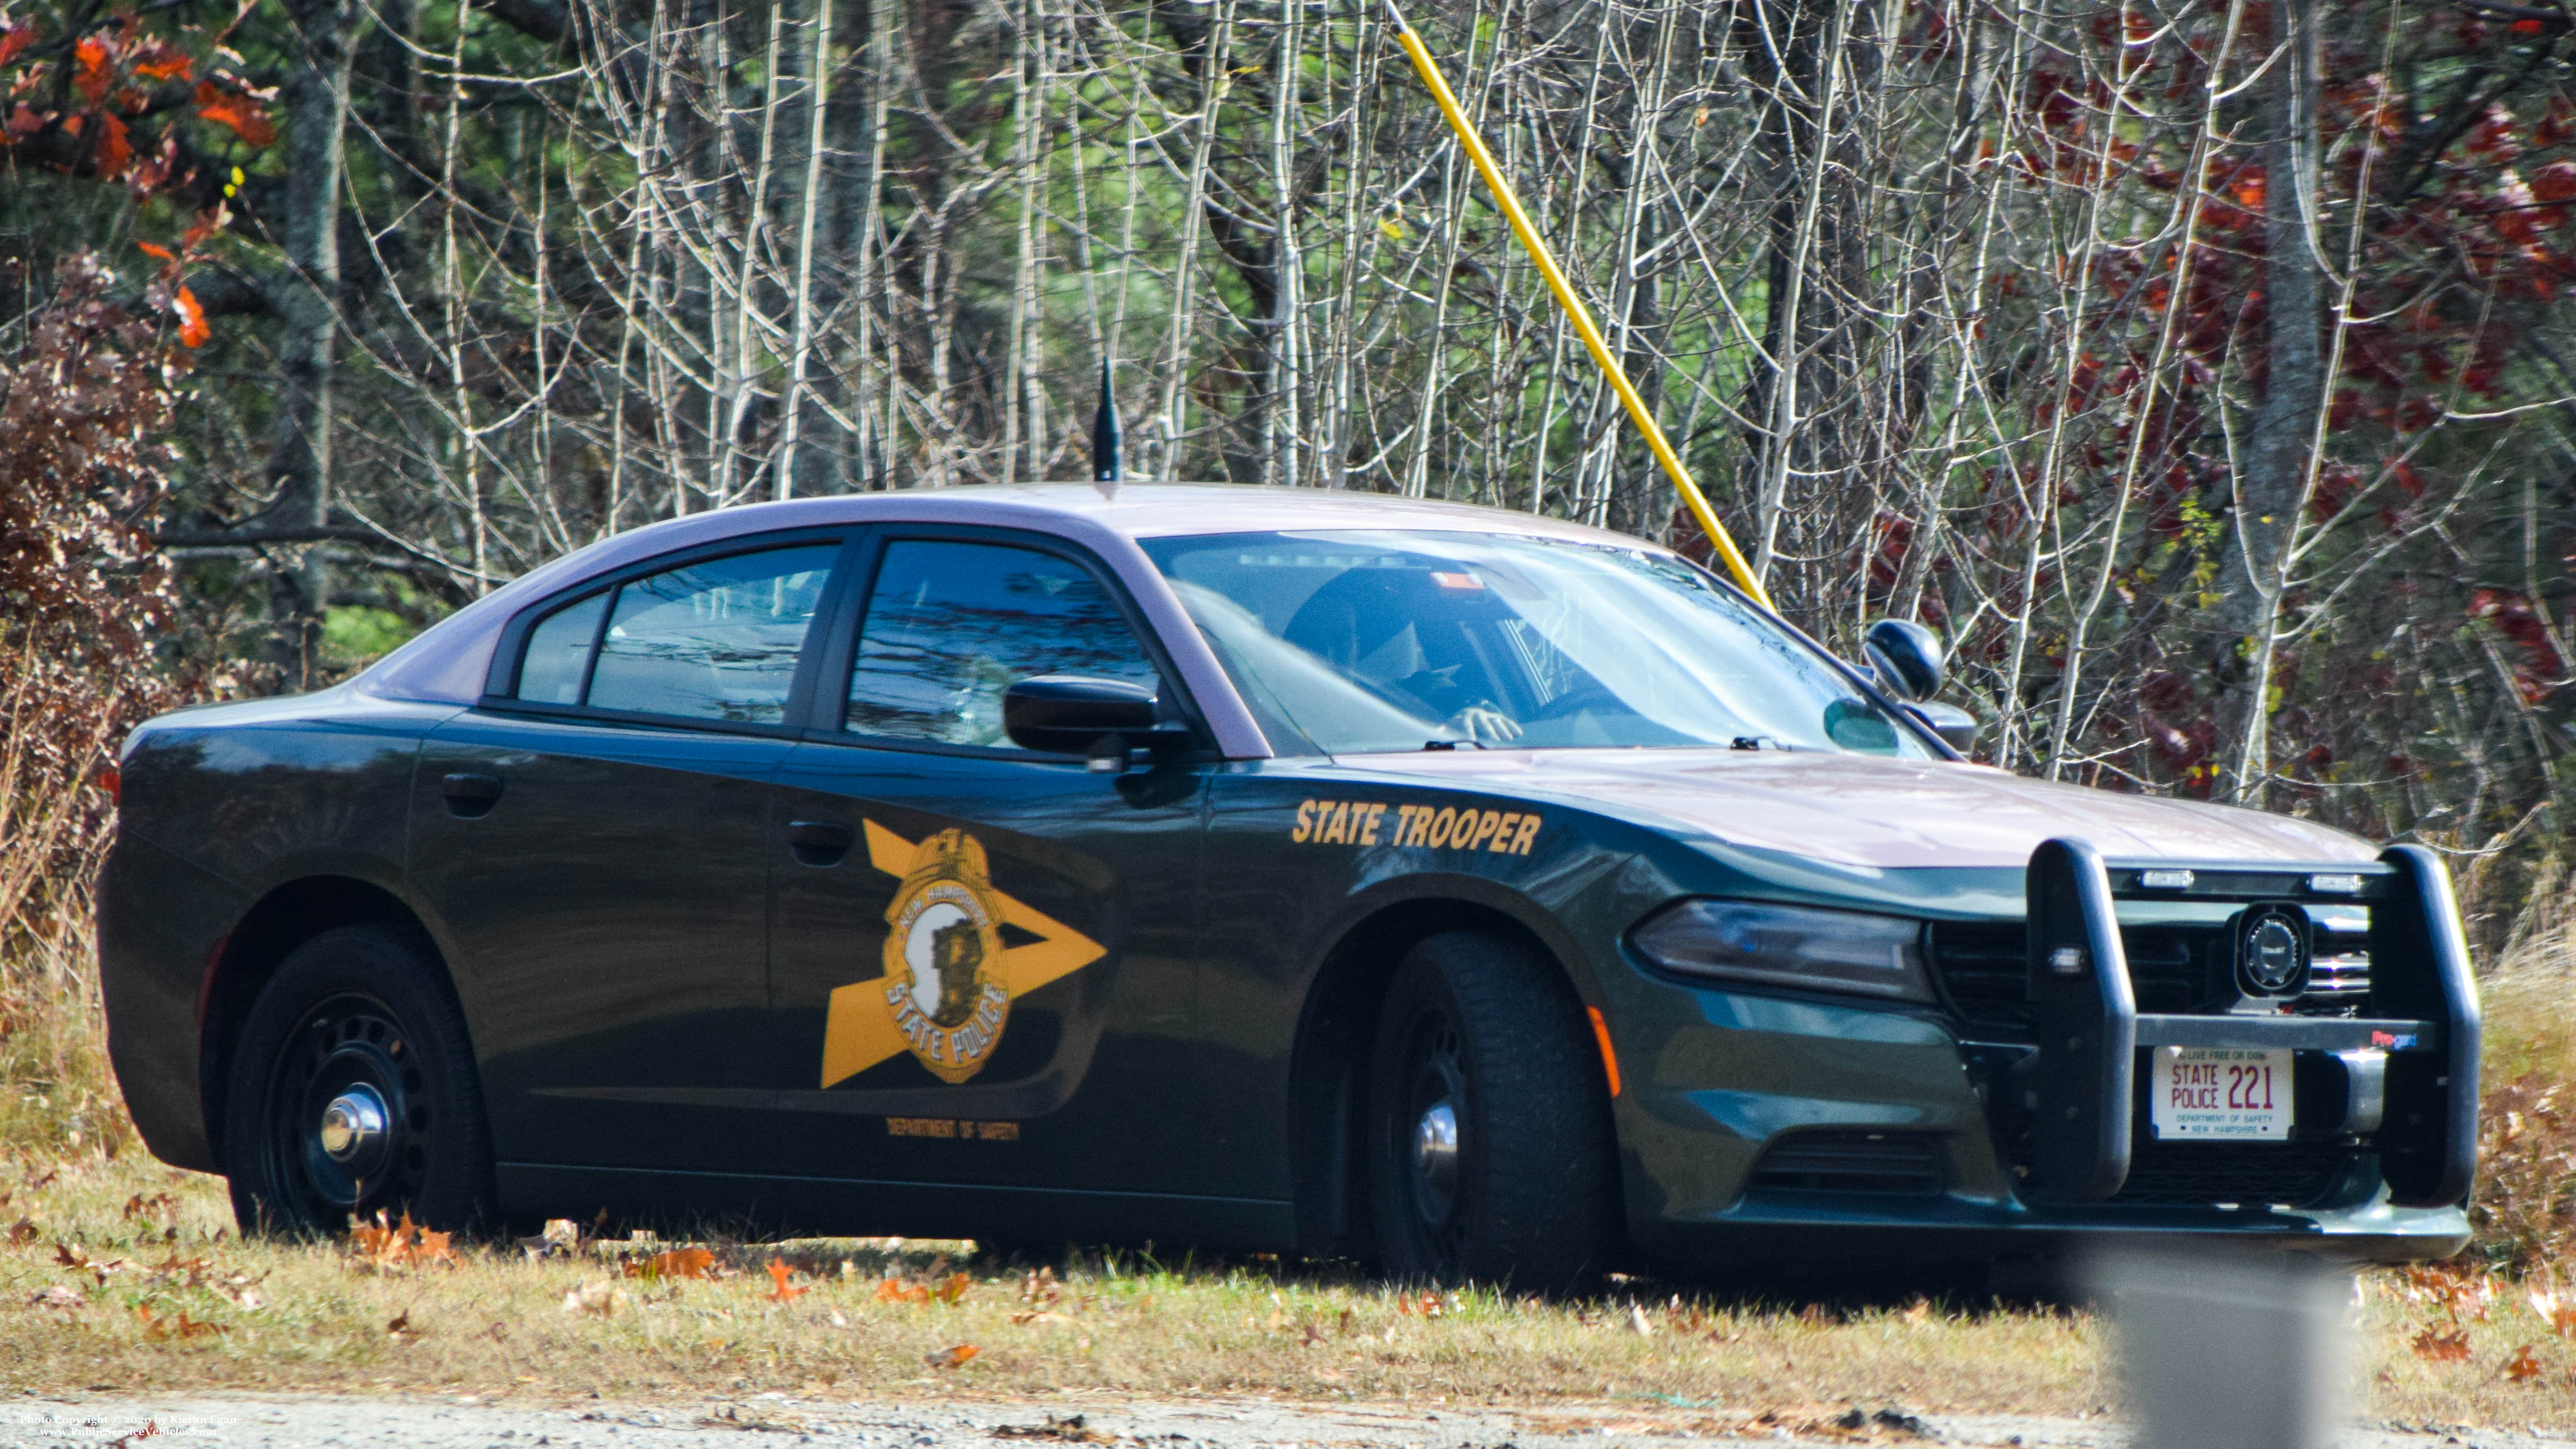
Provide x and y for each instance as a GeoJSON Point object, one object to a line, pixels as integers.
{"type": "Point", "coordinates": [572, 1322]}
{"type": "Point", "coordinates": [123, 1274]}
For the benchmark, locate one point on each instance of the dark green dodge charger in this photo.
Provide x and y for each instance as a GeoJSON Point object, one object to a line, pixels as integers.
{"type": "Point", "coordinates": [1485, 895]}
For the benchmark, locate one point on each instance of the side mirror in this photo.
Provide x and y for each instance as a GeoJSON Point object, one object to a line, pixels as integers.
{"type": "Point", "coordinates": [1070, 714]}
{"type": "Point", "coordinates": [1957, 728]}
{"type": "Point", "coordinates": [1906, 657]}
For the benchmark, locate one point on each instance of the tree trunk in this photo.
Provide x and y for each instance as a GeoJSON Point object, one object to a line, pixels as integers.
{"type": "Point", "coordinates": [307, 303]}
{"type": "Point", "coordinates": [2277, 464]}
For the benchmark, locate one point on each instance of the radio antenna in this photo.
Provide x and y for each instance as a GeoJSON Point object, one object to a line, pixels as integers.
{"type": "Point", "coordinates": [1108, 465]}
{"type": "Point", "coordinates": [1510, 206]}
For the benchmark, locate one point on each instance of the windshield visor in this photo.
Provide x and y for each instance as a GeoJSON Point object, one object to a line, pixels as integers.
{"type": "Point", "coordinates": [1358, 642]}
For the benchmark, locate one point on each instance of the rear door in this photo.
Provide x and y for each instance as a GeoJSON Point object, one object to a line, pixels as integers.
{"type": "Point", "coordinates": [591, 839]}
{"type": "Point", "coordinates": [993, 983]}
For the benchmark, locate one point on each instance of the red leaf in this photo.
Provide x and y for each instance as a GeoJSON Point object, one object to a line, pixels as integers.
{"type": "Point", "coordinates": [241, 113]}
{"type": "Point", "coordinates": [23, 122]}
{"type": "Point", "coordinates": [192, 320]}
{"type": "Point", "coordinates": [2526, 27]}
{"type": "Point", "coordinates": [92, 80]}
{"type": "Point", "coordinates": [153, 249]}
{"type": "Point", "coordinates": [15, 39]}
{"type": "Point", "coordinates": [114, 151]}
{"type": "Point", "coordinates": [208, 222]}
{"type": "Point", "coordinates": [164, 64]}
{"type": "Point", "coordinates": [779, 1273]}
{"type": "Point", "coordinates": [2555, 182]}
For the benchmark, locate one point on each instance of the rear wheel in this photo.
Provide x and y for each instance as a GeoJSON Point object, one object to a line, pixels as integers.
{"type": "Point", "coordinates": [352, 1090]}
{"type": "Point", "coordinates": [1491, 1153]}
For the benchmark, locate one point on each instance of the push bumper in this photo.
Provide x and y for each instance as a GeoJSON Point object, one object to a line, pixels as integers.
{"type": "Point", "coordinates": [2032, 1147]}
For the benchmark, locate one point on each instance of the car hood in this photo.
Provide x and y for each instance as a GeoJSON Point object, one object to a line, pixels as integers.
{"type": "Point", "coordinates": [1890, 814]}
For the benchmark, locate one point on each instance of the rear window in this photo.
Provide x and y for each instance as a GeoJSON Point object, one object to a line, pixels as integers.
{"type": "Point", "coordinates": [715, 640]}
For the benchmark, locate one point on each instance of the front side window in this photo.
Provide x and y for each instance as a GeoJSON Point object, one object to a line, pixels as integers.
{"type": "Point", "coordinates": [950, 626]}
{"type": "Point", "coordinates": [1381, 641]}
{"type": "Point", "coordinates": [716, 640]}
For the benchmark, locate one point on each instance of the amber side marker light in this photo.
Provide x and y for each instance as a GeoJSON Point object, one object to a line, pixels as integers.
{"type": "Point", "coordinates": [1609, 1058]}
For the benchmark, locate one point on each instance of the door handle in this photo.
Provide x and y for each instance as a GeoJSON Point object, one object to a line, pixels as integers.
{"type": "Point", "coordinates": [819, 842]}
{"type": "Point", "coordinates": [470, 797]}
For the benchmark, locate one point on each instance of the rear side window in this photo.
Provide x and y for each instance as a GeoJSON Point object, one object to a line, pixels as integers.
{"type": "Point", "coordinates": [559, 652]}
{"type": "Point", "coordinates": [950, 626]}
{"type": "Point", "coordinates": [716, 640]}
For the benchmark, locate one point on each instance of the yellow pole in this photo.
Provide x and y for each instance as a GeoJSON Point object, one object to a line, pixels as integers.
{"type": "Point", "coordinates": [1582, 320]}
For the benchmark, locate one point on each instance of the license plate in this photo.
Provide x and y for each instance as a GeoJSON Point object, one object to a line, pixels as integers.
{"type": "Point", "coordinates": [2220, 1094]}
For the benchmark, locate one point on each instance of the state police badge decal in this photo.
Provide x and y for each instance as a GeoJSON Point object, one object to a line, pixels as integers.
{"type": "Point", "coordinates": [943, 957]}
{"type": "Point", "coordinates": [948, 982]}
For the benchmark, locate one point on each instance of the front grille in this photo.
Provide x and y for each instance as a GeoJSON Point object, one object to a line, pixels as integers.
{"type": "Point", "coordinates": [1984, 967]}
{"type": "Point", "coordinates": [1851, 1161]}
{"type": "Point", "coordinates": [2248, 1174]}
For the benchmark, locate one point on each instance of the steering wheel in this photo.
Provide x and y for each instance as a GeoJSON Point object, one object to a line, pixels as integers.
{"type": "Point", "coordinates": [1589, 696]}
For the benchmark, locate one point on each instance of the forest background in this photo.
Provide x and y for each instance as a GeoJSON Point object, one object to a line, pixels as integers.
{"type": "Point", "coordinates": [2200, 369]}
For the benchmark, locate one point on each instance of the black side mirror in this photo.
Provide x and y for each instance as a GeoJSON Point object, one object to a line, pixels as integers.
{"type": "Point", "coordinates": [1906, 657]}
{"type": "Point", "coordinates": [1070, 714]}
{"type": "Point", "coordinates": [1957, 728]}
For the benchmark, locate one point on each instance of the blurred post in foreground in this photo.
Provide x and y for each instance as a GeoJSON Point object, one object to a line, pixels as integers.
{"type": "Point", "coordinates": [2230, 1350]}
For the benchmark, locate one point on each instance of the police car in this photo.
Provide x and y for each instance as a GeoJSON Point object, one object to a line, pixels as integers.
{"type": "Point", "coordinates": [1483, 895]}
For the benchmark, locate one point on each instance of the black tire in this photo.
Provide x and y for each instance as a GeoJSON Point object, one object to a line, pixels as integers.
{"type": "Point", "coordinates": [1487, 1026]}
{"type": "Point", "coordinates": [356, 1013]}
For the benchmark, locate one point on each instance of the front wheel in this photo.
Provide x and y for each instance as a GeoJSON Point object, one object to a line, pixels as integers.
{"type": "Point", "coordinates": [352, 1090]}
{"type": "Point", "coordinates": [1491, 1153]}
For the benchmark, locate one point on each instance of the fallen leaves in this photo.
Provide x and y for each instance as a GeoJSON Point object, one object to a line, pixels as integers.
{"type": "Point", "coordinates": [944, 1290]}
{"type": "Point", "coordinates": [2556, 1310]}
{"type": "Point", "coordinates": [952, 1357]}
{"type": "Point", "coordinates": [58, 1296]}
{"type": "Point", "coordinates": [391, 1247]}
{"type": "Point", "coordinates": [673, 1263]}
{"type": "Point", "coordinates": [79, 1261]}
{"type": "Point", "coordinates": [2523, 1367]}
{"type": "Point", "coordinates": [159, 1205]}
{"type": "Point", "coordinates": [600, 1299]}
{"type": "Point", "coordinates": [782, 1291]}
{"type": "Point", "coordinates": [180, 1327]}
{"type": "Point", "coordinates": [2435, 1346]}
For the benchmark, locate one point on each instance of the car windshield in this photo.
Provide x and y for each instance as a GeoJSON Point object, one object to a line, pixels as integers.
{"type": "Point", "coordinates": [1357, 642]}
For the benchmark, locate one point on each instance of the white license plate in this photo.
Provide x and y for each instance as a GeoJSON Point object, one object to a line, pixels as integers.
{"type": "Point", "coordinates": [2220, 1094]}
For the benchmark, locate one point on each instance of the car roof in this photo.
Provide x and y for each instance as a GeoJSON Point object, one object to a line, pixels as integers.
{"type": "Point", "coordinates": [450, 660]}
{"type": "Point", "coordinates": [1169, 510]}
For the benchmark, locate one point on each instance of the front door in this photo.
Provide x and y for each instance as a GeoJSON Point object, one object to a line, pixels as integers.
{"type": "Point", "coordinates": [592, 845]}
{"type": "Point", "coordinates": [983, 957]}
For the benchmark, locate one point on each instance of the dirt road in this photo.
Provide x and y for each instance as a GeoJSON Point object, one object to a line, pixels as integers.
{"type": "Point", "coordinates": [254, 1421]}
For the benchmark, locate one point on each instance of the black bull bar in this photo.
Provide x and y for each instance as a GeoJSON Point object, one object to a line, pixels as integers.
{"type": "Point", "coordinates": [2423, 1001]}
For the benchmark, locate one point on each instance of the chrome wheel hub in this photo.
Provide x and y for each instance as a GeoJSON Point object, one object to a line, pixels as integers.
{"type": "Point", "coordinates": [1435, 1149]}
{"type": "Point", "coordinates": [352, 1129]}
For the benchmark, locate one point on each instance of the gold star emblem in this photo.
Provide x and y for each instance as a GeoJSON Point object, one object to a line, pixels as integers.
{"type": "Point", "coordinates": [948, 985]}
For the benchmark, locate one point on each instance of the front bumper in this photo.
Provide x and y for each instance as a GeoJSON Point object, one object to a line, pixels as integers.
{"type": "Point", "coordinates": [1987, 1150]}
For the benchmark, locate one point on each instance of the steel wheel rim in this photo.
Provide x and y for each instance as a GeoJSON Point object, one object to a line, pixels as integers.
{"type": "Point", "coordinates": [348, 1119]}
{"type": "Point", "coordinates": [1435, 1096]}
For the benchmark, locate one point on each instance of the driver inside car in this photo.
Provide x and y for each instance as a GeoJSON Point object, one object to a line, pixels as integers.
{"type": "Point", "coordinates": [1420, 635]}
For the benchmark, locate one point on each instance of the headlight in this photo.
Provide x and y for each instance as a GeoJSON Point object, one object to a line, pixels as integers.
{"type": "Point", "coordinates": [1791, 946]}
